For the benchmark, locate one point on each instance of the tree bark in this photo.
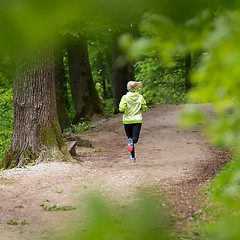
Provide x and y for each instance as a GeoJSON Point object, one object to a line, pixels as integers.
{"type": "Point", "coordinates": [123, 72]}
{"type": "Point", "coordinates": [36, 134]}
{"type": "Point", "coordinates": [85, 98]}
{"type": "Point", "coordinates": [188, 66]}
{"type": "Point", "coordinates": [61, 89]}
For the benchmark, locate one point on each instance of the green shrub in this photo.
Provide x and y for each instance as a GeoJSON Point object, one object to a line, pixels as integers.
{"type": "Point", "coordinates": [109, 106]}
{"type": "Point", "coordinates": [161, 85]}
{"type": "Point", "coordinates": [81, 127]}
{"type": "Point", "coordinates": [6, 119]}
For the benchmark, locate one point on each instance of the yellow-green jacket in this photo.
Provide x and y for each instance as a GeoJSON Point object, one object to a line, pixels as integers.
{"type": "Point", "coordinates": [132, 104]}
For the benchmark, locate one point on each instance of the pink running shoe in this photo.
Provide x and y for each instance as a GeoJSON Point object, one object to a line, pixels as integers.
{"type": "Point", "coordinates": [130, 145]}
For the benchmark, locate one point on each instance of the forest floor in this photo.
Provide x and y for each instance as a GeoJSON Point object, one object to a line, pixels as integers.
{"type": "Point", "coordinates": [176, 163]}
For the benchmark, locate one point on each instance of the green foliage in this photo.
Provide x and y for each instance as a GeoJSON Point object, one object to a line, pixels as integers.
{"type": "Point", "coordinates": [81, 127]}
{"type": "Point", "coordinates": [227, 229]}
{"type": "Point", "coordinates": [225, 187]}
{"type": "Point", "coordinates": [161, 85]}
{"type": "Point", "coordinates": [224, 214]}
{"type": "Point", "coordinates": [100, 57]}
{"type": "Point", "coordinates": [217, 80]}
{"type": "Point", "coordinates": [101, 66]}
{"type": "Point", "coordinates": [6, 103]}
{"type": "Point", "coordinates": [70, 108]}
{"type": "Point", "coordinates": [6, 119]}
{"type": "Point", "coordinates": [99, 87]}
{"type": "Point", "coordinates": [109, 106]}
{"type": "Point", "coordinates": [142, 220]}
{"type": "Point", "coordinates": [191, 116]}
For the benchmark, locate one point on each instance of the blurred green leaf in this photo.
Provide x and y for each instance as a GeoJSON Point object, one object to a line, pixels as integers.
{"type": "Point", "coordinates": [191, 116]}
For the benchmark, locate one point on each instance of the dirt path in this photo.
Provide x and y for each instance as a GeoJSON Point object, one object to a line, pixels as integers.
{"type": "Point", "coordinates": [181, 161]}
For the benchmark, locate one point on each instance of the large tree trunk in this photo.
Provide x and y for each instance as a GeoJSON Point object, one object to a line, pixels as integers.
{"type": "Point", "coordinates": [36, 134]}
{"type": "Point", "coordinates": [188, 66]}
{"type": "Point", "coordinates": [123, 72]}
{"type": "Point", "coordinates": [85, 98]}
{"type": "Point", "coordinates": [61, 89]}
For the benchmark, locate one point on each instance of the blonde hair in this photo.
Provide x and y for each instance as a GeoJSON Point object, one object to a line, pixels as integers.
{"type": "Point", "coordinates": [134, 86]}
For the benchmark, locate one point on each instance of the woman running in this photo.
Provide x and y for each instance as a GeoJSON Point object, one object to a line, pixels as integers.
{"type": "Point", "coordinates": [132, 104]}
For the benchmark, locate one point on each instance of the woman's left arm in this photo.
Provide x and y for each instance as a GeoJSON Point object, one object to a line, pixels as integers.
{"type": "Point", "coordinates": [144, 105]}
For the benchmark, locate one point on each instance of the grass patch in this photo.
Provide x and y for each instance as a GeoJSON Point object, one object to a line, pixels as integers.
{"type": "Point", "coordinates": [56, 208]}
{"type": "Point", "coordinates": [15, 223]}
{"type": "Point", "coordinates": [99, 150]}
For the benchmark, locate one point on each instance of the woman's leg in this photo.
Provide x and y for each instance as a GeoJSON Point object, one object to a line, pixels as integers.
{"type": "Point", "coordinates": [133, 131]}
{"type": "Point", "coordinates": [136, 132]}
{"type": "Point", "coordinates": [135, 135]}
{"type": "Point", "coordinates": [129, 130]}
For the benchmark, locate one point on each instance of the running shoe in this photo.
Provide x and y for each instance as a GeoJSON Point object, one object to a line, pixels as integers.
{"type": "Point", "coordinates": [130, 145]}
{"type": "Point", "coordinates": [133, 159]}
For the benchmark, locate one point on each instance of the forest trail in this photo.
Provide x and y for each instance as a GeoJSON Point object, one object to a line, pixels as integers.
{"type": "Point", "coordinates": [167, 158]}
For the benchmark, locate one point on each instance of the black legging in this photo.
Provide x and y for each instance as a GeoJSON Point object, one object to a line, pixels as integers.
{"type": "Point", "coordinates": [133, 131]}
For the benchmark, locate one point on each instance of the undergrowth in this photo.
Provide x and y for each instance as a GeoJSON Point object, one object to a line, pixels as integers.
{"type": "Point", "coordinates": [81, 127]}
{"type": "Point", "coordinates": [219, 218]}
{"type": "Point", "coordinates": [6, 120]}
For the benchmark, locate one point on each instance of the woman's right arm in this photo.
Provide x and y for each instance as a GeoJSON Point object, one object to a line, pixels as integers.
{"type": "Point", "coordinates": [123, 104]}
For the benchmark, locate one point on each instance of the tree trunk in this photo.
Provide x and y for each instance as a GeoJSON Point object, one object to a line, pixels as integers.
{"type": "Point", "coordinates": [61, 90]}
{"type": "Point", "coordinates": [188, 66]}
{"type": "Point", "coordinates": [36, 134]}
{"type": "Point", "coordinates": [85, 98]}
{"type": "Point", "coordinates": [123, 72]}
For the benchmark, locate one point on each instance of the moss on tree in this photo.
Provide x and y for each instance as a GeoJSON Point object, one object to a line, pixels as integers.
{"type": "Point", "coordinates": [52, 147]}
{"type": "Point", "coordinates": [52, 135]}
{"type": "Point", "coordinates": [10, 159]}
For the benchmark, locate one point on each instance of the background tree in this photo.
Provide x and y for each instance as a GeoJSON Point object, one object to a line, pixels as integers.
{"type": "Point", "coordinates": [86, 101]}
{"type": "Point", "coordinates": [60, 85]}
